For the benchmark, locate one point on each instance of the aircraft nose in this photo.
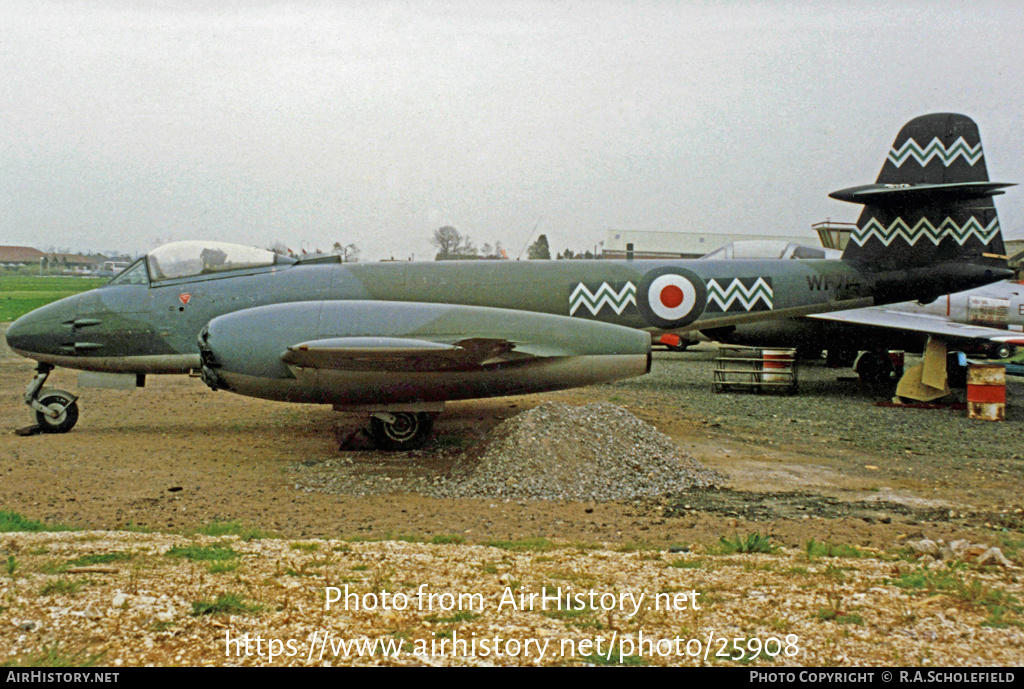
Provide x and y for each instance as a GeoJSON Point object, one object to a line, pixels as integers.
{"type": "Point", "coordinates": [18, 334]}
{"type": "Point", "coordinates": [39, 331]}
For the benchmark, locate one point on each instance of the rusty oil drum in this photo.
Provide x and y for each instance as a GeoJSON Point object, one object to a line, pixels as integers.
{"type": "Point", "coordinates": [986, 392]}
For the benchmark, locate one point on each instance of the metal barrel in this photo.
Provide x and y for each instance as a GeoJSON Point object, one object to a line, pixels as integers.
{"type": "Point", "coordinates": [986, 392]}
{"type": "Point", "coordinates": [777, 363]}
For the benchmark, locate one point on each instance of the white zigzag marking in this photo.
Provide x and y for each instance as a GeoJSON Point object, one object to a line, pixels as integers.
{"type": "Point", "coordinates": [748, 296]}
{"type": "Point", "coordinates": [910, 149]}
{"type": "Point", "coordinates": [924, 228]}
{"type": "Point", "coordinates": [605, 295]}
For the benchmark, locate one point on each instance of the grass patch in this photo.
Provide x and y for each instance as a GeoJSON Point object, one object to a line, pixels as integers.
{"type": "Point", "coordinates": [233, 528]}
{"type": "Point", "coordinates": [404, 538]}
{"type": "Point", "coordinates": [751, 543]}
{"type": "Point", "coordinates": [448, 540]}
{"type": "Point", "coordinates": [997, 619]}
{"type": "Point", "coordinates": [930, 581]}
{"type": "Point", "coordinates": [569, 611]}
{"type": "Point", "coordinates": [225, 566]}
{"type": "Point", "coordinates": [20, 294]}
{"type": "Point", "coordinates": [524, 545]}
{"type": "Point", "coordinates": [830, 614]}
{"type": "Point", "coordinates": [54, 655]}
{"type": "Point", "coordinates": [100, 559]}
{"type": "Point", "coordinates": [973, 593]}
{"type": "Point", "coordinates": [203, 553]}
{"type": "Point", "coordinates": [12, 521]}
{"type": "Point", "coordinates": [1012, 544]}
{"type": "Point", "coordinates": [61, 587]}
{"type": "Point", "coordinates": [638, 547]}
{"type": "Point", "coordinates": [615, 660]}
{"type": "Point", "coordinates": [813, 549]}
{"type": "Point", "coordinates": [226, 604]}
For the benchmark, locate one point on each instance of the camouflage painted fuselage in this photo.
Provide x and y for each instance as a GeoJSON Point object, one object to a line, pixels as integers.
{"type": "Point", "coordinates": [153, 328]}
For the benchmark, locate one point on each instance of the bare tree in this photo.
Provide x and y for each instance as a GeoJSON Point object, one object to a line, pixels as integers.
{"type": "Point", "coordinates": [447, 240]}
{"type": "Point", "coordinates": [451, 244]}
{"type": "Point", "coordinates": [349, 253]}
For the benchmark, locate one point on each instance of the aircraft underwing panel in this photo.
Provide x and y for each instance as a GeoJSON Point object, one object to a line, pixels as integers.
{"type": "Point", "coordinates": [922, 323]}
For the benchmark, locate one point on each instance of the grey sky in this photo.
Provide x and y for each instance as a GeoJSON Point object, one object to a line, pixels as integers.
{"type": "Point", "coordinates": [128, 123]}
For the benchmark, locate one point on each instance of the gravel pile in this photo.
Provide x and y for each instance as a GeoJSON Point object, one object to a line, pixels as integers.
{"type": "Point", "coordinates": [595, 452]}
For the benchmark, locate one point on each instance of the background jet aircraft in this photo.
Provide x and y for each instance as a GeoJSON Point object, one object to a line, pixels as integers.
{"type": "Point", "coordinates": [399, 339]}
{"type": "Point", "coordinates": [988, 320]}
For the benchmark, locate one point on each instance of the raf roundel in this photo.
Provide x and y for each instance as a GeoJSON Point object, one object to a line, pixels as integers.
{"type": "Point", "coordinates": [672, 297]}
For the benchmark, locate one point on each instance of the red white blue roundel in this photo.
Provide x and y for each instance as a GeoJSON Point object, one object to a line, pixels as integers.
{"type": "Point", "coordinates": [671, 297]}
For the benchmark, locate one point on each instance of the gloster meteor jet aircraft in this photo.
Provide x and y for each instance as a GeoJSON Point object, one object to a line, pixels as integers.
{"type": "Point", "coordinates": [397, 340]}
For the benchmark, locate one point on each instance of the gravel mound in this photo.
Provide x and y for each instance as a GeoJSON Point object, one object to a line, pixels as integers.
{"type": "Point", "coordinates": [594, 452]}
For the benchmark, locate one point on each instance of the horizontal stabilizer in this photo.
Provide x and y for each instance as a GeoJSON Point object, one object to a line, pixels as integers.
{"type": "Point", "coordinates": [883, 194]}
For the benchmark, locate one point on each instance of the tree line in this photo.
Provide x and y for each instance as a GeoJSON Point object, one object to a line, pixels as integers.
{"type": "Point", "coordinates": [452, 245]}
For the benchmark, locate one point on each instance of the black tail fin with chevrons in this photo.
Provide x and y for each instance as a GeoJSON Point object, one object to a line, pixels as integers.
{"type": "Point", "coordinates": [932, 200]}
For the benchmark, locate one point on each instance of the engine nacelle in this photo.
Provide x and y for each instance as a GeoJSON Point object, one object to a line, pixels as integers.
{"type": "Point", "coordinates": [371, 352]}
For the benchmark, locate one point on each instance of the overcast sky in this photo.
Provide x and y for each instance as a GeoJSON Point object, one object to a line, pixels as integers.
{"type": "Point", "coordinates": [126, 124]}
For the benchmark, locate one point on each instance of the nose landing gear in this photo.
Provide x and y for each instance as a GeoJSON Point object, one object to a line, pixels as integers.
{"type": "Point", "coordinates": [56, 410]}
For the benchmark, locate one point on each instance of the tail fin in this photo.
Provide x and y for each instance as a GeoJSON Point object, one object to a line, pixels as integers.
{"type": "Point", "coordinates": [932, 200]}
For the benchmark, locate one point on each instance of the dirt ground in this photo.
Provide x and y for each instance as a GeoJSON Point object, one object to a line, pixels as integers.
{"type": "Point", "coordinates": [826, 467]}
{"type": "Point", "coordinates": [176, 455]}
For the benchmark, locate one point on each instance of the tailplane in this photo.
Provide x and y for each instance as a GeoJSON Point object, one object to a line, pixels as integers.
{"type": "Point", "coordinates": [932, 200]}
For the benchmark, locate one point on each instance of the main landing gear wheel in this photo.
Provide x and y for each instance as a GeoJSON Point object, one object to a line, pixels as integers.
{"type": "Point", "coordinates": [65, 408]}
{"type": "Point", "coordinates": [400, 430]}
{"type": "Point", "coordinates": [875, 368]}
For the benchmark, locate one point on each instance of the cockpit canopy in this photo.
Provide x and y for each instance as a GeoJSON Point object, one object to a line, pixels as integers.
{"type": "Point", "coordinates": [770, 248]}
{"type": "Point", "coordinates": [197, 258]}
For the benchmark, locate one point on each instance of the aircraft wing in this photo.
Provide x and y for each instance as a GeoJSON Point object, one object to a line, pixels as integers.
{"type": "Point", "coordinates": [921, 323]}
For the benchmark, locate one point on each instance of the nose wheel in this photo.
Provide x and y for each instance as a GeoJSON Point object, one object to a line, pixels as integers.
{"type": "Point", "coordinates": [56, 410]}
{"type": "Point", "coordinates": [61, 413]}
{"type": "Point", "coordinates": [398, 431]}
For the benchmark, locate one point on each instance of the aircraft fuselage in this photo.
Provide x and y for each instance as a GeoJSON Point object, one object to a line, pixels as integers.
{"type": "Point", "coordinates": [153, 328]}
